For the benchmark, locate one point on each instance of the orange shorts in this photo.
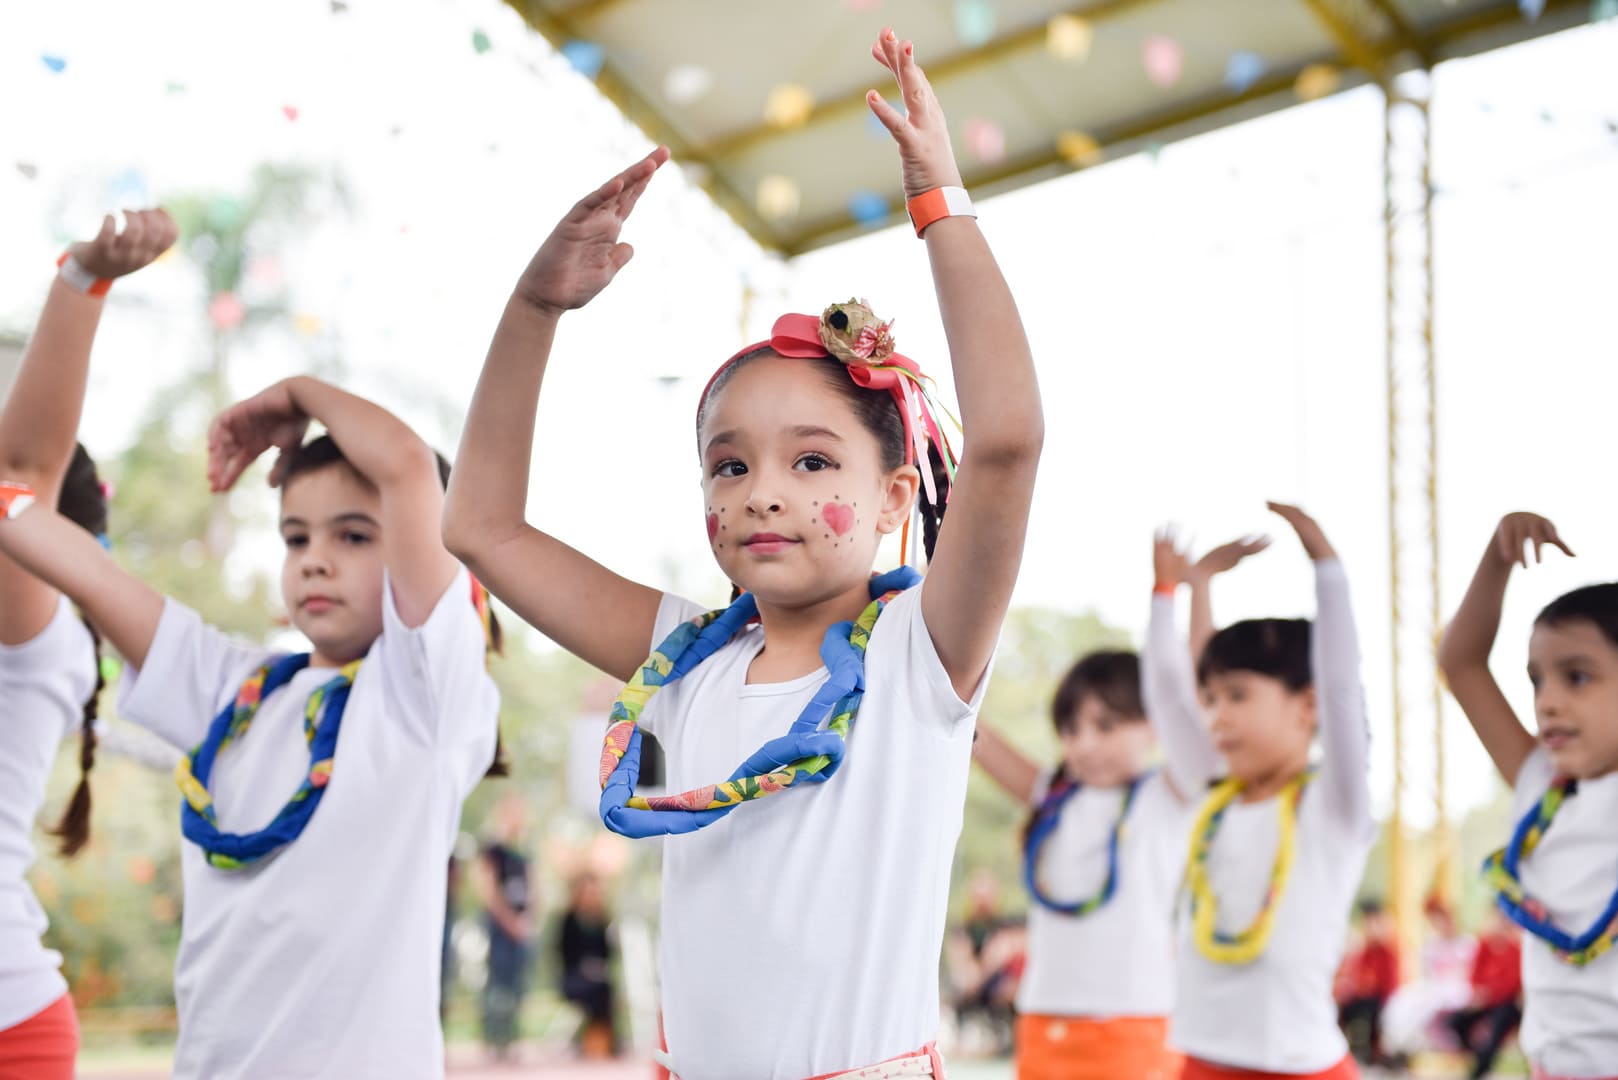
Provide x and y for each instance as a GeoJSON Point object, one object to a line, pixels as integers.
{"type": "Point", "coordinates": [42, 1047]}
{"type": "Point", "coordinates": [1196, 1069]}
{"type": "Point", "coordinates": [1076, 1048]}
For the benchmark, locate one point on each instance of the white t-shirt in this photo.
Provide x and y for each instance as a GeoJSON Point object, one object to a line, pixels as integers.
{"type": "Point", "coordinates": [44, 684]}
{"type": "Point", "coordinates": [1119, 959]}
{"type": "Point", "coordinates": [1570, 1014]}
{"type": "Point", "coordinates": [1277, 1013]}
{"type": "Point", "coordinates": [323, 959]}
{"type": "Point", "coordinates": [801, 933]}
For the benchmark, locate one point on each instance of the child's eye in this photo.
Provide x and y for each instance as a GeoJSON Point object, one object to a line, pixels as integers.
{"type": "Point", "coordinates": [730, 467]}
{"type": "Point", "coordinates": [295, 541]}
{"type": "Point", "coordinates": [356, 538]}
{"type": "Point", "coordinates": [1578, 678]}
{"type": "Point", "coordinates": [815, 463]}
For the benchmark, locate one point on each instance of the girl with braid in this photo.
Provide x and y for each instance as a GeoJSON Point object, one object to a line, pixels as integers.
{"type": "Point", "coordinates": [50, 668]}
{"type": "Point", "coordinates": [830, 894]}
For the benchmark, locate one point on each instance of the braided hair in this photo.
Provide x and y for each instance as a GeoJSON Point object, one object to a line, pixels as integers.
{"type": "Point", "coordinates": [83, 500]}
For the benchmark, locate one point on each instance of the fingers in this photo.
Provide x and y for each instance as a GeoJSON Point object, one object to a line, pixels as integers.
{"type": "Point", "coordinates": [891, 118]}
{"type": "Point", "coordinates": [621, 254]}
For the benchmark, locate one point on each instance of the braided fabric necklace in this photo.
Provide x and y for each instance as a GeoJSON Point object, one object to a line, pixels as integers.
{"type": "Point", "coordinates": [322, 719]}
{"type": "Point", "coordinates": [1503, 871]}
{"type": "Point", "coordinates": [1249, 944]}
{"type": "Point", "coordinates": [837, 702]}
{"type": "Point", "coordinates": [1046, 819]}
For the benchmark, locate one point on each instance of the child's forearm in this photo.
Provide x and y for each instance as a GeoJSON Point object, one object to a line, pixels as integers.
{"type": "Point", "coordinates": [40, 422]}
{"type": "Point", "coordinates": [1469, 638]}
{"type": "Point", "coordinates": [1005, 764]}
{"type": "Point", "coordinates": [379, 445]}
{"type": "Point", "coordinates": [489, 493]}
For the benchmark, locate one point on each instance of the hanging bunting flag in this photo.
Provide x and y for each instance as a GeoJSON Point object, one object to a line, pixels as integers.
{"type": "Point", "coordinates": [1079, 149]}
{"type": "Point", "coordinates": [1069, 37]}
{"type": "Point", "coordinates": [1317, 81]}
{"type": "Point", "coordinates": [1603, 9]}
{"type": "Point", "coordinates": [55, 63]}
{"type": "Point", "coordinates": [778, 197]}
{"type": "Point", "coordinates": [1154, 150]}
{"type": "Point", "coordinates": [28, 169]}
{"type": "Point", "coordinates": [339, 7]}
{"type": "Point", "coordinates": [226, 311]}
{"type": "Point", "coordinates": [290, 112]}
{"type": "Point", "coordinates": [789, 106]}
{"type": "Point", "coordinates": [974, 22]}
{"type": "Point", "coordinates": [586, 57]}
{"type": "Point", "coordinates": [1163, 59]}
{"type": "Point", "coordinates": [174, 88]}
{"type": "Point", "coordinates": [1242, 70]}
{"type": "Point", "coordinates": [868, 208]}
{"type": "Point", "coordinates": [1531, 9]}
{"type": "Point", "coordinates": [307, 324]}
{"type": "Point", "coordinates": [480, 42]}
{"type": "Point", "coordinates": [985, 141]}
{"type": "Point", "coordinates": [686, 83]}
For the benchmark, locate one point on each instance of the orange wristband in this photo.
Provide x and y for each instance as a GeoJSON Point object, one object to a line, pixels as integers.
{"type": "Point", "coordinates": [1165, 588]}
{"type": "Point", "coordinates": [14, 498]}
{"type": "Point", "coordinates": [77, 277]}
{"type": "Point", "coordinates": [940, 202]}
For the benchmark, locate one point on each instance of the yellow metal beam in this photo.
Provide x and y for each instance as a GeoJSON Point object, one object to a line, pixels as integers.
{"type": "Point", "coordinates": [1415, 41]}
{"type": "Point", "coordinates": [938, 71]}
{"type": "Point", "coordinates": [1356, 49]}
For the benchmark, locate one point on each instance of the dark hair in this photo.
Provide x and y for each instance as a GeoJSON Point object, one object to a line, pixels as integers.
{"type": "Point", "coordinates": [1277, 648]}
{"type": "Point", "coordinates": [1597, 604]}
{"type": "Point", "coordinates": [878, 413]}
{"type": "Point", "coordinates": [323, 451]}
{"type": "Point", "coordinates": [1370, 907]}
{"type": "Point", "coordinates": [1111, 675]}
{"type": "Point", "coordinates": [83, 500]}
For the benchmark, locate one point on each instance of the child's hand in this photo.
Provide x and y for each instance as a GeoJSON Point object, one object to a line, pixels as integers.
{"type": "Point", "coordinates": [247, 429]}
{"type": "Point", "coordinates": [582, 254]}
{"type": "Point", "coordinates": [1171, 565]}
{"type": "Point", "coordinates": [1516, 530]}
{"type": "Point", "coordinates": [112, 254]}
{"type": "Point", "coordinates": [922, 135]}
{"type": "Point", "coordinates": [1227, 557]}
{"type": "Point", "coordinates": [1315, 544]}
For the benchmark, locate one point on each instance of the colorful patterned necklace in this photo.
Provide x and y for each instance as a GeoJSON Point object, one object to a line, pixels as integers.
{"type": "Point", "coordinates": [838, 699]}
{"type": "Point", "coordinates": [1503, 871]}
{"type": "Point", "coordinates": [1046, 819]}
{"type": "Point", "coordinates": [1247, 945]}
{"type": "Point", "coordinates": [322, 718]}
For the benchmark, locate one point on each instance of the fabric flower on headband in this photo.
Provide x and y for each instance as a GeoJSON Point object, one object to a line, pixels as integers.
{"type": "Point", "coordinates": [853, 334]}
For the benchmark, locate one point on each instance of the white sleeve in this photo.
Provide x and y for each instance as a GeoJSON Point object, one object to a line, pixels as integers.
{"type": "Point", "coordinates": [662, 722]}
{"type": "Point", "coordinates": [192, 670]}
{"type": "Point", "coordinates": [434, 677]}
{"type": "Point", "coordinates": [1340, 700]}
{"type": "Point", "coordinates": [1169, 687]}
{"type": "Point", "coordinates": [51, 674]}
{"type": "Point", "coordinates": [902, 646]}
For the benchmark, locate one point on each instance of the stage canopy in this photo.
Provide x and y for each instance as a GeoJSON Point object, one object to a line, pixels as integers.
{"type": "Point", "coordinates": [763, 102]}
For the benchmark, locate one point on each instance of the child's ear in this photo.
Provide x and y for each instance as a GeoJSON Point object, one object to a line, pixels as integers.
{"type": "Point", "coordinates": [899, 498]}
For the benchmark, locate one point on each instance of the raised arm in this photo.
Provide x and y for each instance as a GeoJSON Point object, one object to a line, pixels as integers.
{"type": "Point", "coordinates": [1169, 682]}
{"type": "Point", "coordinates": [40, 421]}
{"type": "Point", "coordinates": [62, 555]}
{"type": "Point", "coordinates": [979, 549]}
{"type": "Point", "coordinates": [379, 446]}
{"type": "Point", "coordinates": [592, 612]}
{"type": "Point", "coordinates": [1463, 652]}
{"type": "Point", "coordinates": [1334, 649]}
{"type": "Point", "coordinates": [1005, 764]}
{"type": "Point", "coordinates": [1200, 575]}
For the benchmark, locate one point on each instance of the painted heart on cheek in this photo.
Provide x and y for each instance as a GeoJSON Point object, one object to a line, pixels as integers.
{"type": "Point", "coordinates": [713, 527]}
{"type": "Point", "coordinates": [839, 517]}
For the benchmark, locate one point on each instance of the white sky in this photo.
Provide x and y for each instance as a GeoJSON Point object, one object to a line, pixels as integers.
{"type": "Point", "coordinates": [1208, 325]}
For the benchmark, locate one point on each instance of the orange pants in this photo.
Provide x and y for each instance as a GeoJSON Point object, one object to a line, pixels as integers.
{"type": "Point", "coordinates": [1076, 1048]}
{"type": "Point", "coordinates": [1196, 1069]}
{"type": "Point", "coordinates": [43, 1046]}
